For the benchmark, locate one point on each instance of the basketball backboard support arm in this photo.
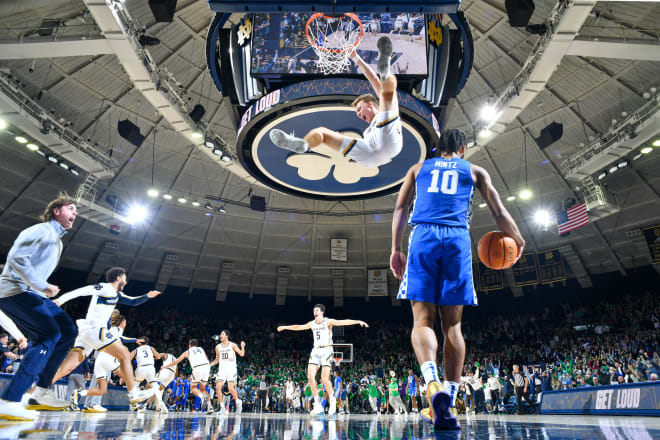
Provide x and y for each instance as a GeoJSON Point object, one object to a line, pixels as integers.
{"type": "Point", "coordinates": [336, 6]}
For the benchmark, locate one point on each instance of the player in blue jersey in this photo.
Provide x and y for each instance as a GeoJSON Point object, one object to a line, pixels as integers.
{"type": "Point", "coordinates": [412, 390]}
{"type": "Point", "coordinates": [437, 275]}
{"type": "Point", "coordinates": [338, 388]}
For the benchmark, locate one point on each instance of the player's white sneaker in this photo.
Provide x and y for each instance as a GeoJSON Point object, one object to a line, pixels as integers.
{"type": "Point", "coordinates": [16, 411]}
{"type": "Point", "coordinates": [162, 408]}
{"type": "Point", "coordinates": [239, 406]}
{"type": "Point", "coordinates": [287, 141]}
{"type": "Point", "coordinates": [384, 46]}
{"type": "Point", "coordinates": [318, 409]}
{"type": "Point", "coordinates": [333, 406]}
{"type": "Point", "coordinates": [45, 399]}
{"type": "Point", "coordinates": [136, 395]}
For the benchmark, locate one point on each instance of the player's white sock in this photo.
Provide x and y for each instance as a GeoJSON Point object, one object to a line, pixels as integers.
{"type": "Point", "coordinates": [157, 394]}
{"type": "Point", "coordinates": [430, 371]}
{"type": "Point", "coordinates": [452, 389]}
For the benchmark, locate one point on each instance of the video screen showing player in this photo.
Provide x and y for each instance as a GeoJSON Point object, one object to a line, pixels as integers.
{"type": "Point", "coordinates": [280, 45]}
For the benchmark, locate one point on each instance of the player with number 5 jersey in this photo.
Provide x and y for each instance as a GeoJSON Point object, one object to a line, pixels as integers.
{"type": "Point", "coordinates": [437, 275]}
{"type": "Point", "coordinates": [321, 355]}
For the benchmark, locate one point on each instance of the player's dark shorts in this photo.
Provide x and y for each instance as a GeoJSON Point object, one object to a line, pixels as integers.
{"type": "Point", "coordinates": [439, 268]}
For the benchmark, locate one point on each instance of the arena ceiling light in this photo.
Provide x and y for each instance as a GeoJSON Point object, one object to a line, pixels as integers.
{"type": "Point", "coordinates": [196, 135]}
{"type": "Point", "coordinates": [482, 205]}
{"type": "Point", "coordinates": [3, 124]}
{"type": "Point", "coordinates": [182, 200]}
{"type": "Point", "coordinates": [602, 175]}
{"type": "Point", "coordinates": [52, 159]}
{"type": "Point", "coordinates": [32, 147]}
{"type": "Point", "coordinates": [484, 133]}
{"type": "Point", "coordinates": [195, 204]}
{"type": "Point", "coordinates": [525, 194]}
{"type": "Point", "coordinates": [208, 206]}
{"type": "Point", "coordinates": [74, 171]}
{"type": "Point", "coordinates": [646, 150]}
{"type": "Point", "coordinates": [613, 169]}
{"type": "Point", "coordinates": [637, 156]}
{"type": "Point", "coordinates": [226, 158]}
{"type": "Point", "coordinates": [222, 209]}
{"type": "Point", "coordinates": [136, 214]}
{"type": "Point", "coordinates": [488, 112]}
{"type": "Point", "coordinates": [153, 192]}
{"type": "Point", "coordinates": [656, 143]}
{"type": "Point", "coordinates": [217, 152]}
{"type": "Point", "coordinates": [167, 197]}
{"type": "Point", "coordinates": [622, 164]}
{"type": "Point", "coordinates": [64, 165]}
{"type": "Point", "coordinates": [511, 198]}
{"type": "Point", "coordinates": [20, 140]}
{"type": "Point", "coordinates": [542, 218]}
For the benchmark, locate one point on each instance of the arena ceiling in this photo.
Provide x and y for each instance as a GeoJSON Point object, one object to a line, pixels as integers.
{"type": "Point", "coordinates": [92, 93]}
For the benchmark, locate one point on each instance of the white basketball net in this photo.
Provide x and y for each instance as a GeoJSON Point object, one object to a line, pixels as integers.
{"type": "Point", "coordinates": [333, 39]}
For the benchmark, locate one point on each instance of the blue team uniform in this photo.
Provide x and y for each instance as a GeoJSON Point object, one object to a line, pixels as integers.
{"type": "Point", "coordinates": [412, 386]}
{"type": "Point", "coordinates": [336, 386]}
{"type": "Point", "coordinates": [439, 268]}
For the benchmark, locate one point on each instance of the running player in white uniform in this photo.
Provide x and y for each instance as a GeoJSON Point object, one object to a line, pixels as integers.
{"type": "Point", "coordinates": [145, 356]}
{"type": "Point", "coordinates": [321, 355]}
{"type": "Point", "coordinates": [93, 330]}
{"type": "Point", "coordinates": [225, 357]}
{"type": "Point", "coordinates": [200, 372]}
{"type": "Point", "coordinates": [165, 376]}
{"type": "Point", "coordinates": [105, 365]}
{"type": "Point", "coordinates": [382, 140]}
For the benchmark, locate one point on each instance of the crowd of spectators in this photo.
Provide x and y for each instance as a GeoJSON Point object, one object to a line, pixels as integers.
{"type": "Point", "coordinates": [558, 347]}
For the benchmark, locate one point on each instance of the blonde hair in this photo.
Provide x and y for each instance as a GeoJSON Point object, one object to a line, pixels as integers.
{"type": "Point", "coordinates": [368, 97]}
{"type": "Point", "coordinates": [63, 199]}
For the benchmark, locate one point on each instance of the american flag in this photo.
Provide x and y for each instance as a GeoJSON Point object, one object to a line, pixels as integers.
{"type": "Point", "coordinates": [572, 218]}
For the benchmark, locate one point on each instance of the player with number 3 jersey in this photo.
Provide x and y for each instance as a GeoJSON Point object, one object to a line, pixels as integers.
{"type": "Point", "coordinates": [438, 271]}
{"type": "Point", "coordinates": [321, 355]}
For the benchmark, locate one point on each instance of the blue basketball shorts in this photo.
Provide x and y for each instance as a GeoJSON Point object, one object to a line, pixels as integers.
{"type": "Point", "coordinates": [439, 269]}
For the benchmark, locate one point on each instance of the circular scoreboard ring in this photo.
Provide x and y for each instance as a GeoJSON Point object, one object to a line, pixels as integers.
{"type": "Point", "coordinates": [324, 173]}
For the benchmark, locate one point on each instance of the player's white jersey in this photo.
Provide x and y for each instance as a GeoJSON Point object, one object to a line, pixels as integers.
{"type": "Point", "coordinates": [168, 360]}
{"type": "Point", "coordinates": [103, 302]}
{"type": "Point", "coordinates": [322, 333]}
{"type": "Point", "coordinates": [226, 354]}
{"type": "Point", "coordinates": [116, 332]}
{"type": "Point", "coordinates": [144, 356]}
{"type": "Point", "coordinates": [197, 356]}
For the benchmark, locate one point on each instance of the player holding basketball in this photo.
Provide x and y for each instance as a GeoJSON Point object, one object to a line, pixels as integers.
{"type": "Point", "coordinates": [321, 355]}
{"type": "Point", "coordinates": [225, 357]}
{"type": "Point", "coordinates": [382, 140]}
{"type": "Point", "coordinates": [438, 271]}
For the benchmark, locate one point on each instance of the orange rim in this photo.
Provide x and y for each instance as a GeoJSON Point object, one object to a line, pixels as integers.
{"type": "Point", "coordinates": [320, 14]}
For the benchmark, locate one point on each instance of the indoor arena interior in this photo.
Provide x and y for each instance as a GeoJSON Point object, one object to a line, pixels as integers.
{"type": "Point", "coordinates": [330, 219]}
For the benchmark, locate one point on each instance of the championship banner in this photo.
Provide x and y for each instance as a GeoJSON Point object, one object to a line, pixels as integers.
{"type": "Point", "coordinates": [632, 399]}
{"type": "Point", "coordinates": [377, 282]}
{"type": "Point", "coordinates": [489, 279]}
{"type": "Point", "coordinates": [652, 236]}
{"type": "Point", "coordinates": [338, 249]}
{"type": "Point", "coordinates": [525, 272]}
{"type": "Point", "coordinates": [551, 266]}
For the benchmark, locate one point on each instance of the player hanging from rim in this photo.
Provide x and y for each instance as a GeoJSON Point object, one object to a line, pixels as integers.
{"type": "Point", "coordinates": [93, 330]}
{"type": "Point", "coordinates": [104, 365]}
{"type": "Point", "coordinates": [382, 140]}
{"type": "Point", "coordinates": [225, 357]}
{"type": "Point", "coordinates": [438, 272]}
{"type": "Point", "coordinates": [321, 355]}
{"type": "Point", "coordinates": [145, 356]}
{"type": "Point", "coordinates": [200, 372]}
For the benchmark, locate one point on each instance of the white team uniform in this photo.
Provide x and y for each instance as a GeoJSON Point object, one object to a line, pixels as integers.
{"type": "Point", "coordinates": [289, 390]}
{"type": "Point", "coordinates": [106, 364]}
{"type": "Point", "coordinates": [199, 363]}
{"type": "Point", "coordinates": [93, 330]}
{"type": "Point", "coordinates": [381, 141]}
{"type": "Point", "coordinates": [227, 371]}
{"type": "Point", "coordinates": [322, 351]}
{"type": "Point", "coordinates": [166, 375]}
{"type": "Point", "coordinates": [144, 356]}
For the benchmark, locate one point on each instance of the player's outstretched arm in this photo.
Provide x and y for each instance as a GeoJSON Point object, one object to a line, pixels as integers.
{"type": "Point", "coordinates": [177, 360]}
{"type": "Point", "coordinates": [345, 322]}
{"type": "Point", "coordinates": [501, 216]}
{"type": "Point", "coordinates": [77, 293]}
{"type": "Point", "coordinates": [399, 219]}
{"type": "Point", "coordinates": [240, 351]}
{"type": "Point", "coordinates": [137, 300]}
{"type": "Point", "coordinates": [295, 327]}
{"type": "Point", "coordinates": [367, 71]}
{"type": "Point", "coordinates": [215, 361]}
{"type": "Point", "coordinates": [156, 354]}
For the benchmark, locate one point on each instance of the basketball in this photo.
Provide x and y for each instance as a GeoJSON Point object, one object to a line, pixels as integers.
{"type": "Point", "coordinates": [497, 250]}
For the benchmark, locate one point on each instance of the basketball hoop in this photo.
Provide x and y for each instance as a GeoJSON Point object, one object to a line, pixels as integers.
{"type": "Point", "coordinates": [333, 38]}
